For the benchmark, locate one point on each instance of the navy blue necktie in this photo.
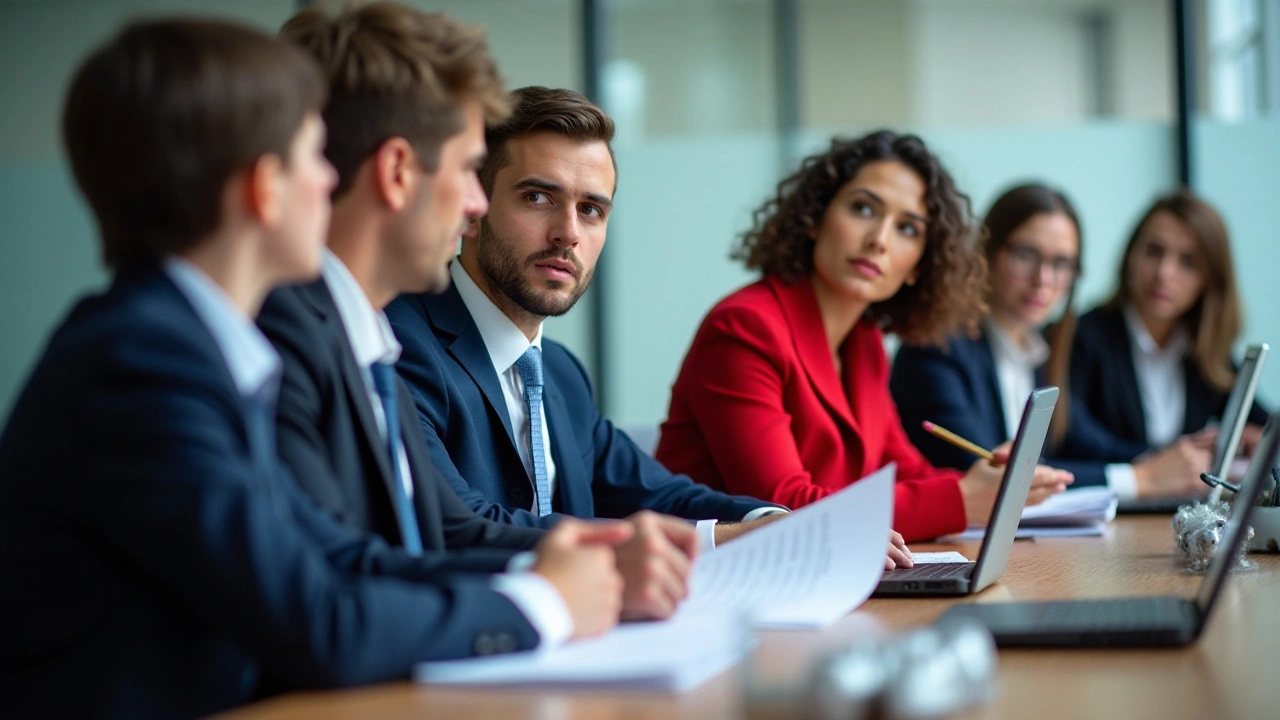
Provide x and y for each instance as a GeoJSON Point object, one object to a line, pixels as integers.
{"type": "Point", "coordinates": [530, 367]}
{"type": "Point", "coordinates": [384, 382]}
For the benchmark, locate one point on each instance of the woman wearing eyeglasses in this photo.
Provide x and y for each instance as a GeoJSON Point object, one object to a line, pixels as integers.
{"type": "Point", "coordinates": [1154, 361]}
{"type": "Point", "coordinates": [976, 386]}
{"type": "Point", "coordinates": [784, 393]}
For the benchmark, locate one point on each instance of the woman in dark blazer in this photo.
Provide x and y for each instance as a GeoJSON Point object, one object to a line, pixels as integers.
{"type": "Point", "coordinates": [1155, 360]}
{"type": "Point", "coordinates": [976, 385]}
{"type": "Point", "coordinates": [784, 393]}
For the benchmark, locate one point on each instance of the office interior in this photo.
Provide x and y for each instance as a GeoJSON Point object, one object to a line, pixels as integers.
{"type": "Point", "coordinates": [1114, 101]}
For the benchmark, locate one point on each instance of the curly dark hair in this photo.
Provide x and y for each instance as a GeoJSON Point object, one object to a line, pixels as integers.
{"type": "Point", "coordinates": [949, 292]}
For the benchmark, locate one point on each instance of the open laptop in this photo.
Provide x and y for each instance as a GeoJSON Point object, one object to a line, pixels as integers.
{"type": "Point", "coordinates": [1234, 417]}
{"type": "Point", "coordinates": [1132, 622]}
{"type": "Point", "coordinates": [969, 577]}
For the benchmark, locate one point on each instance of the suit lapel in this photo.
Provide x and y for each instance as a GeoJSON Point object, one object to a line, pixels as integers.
{"type": "Point", "coordinates": [570, 474]}
{"type": "Point", "coordinates": [800, 308]}
{"type": "Point", "coordinates": [462, 340]}
{"type": "Point", "coordinates": [1200, 399]}
{"type": "Point", "coordinates": [321, 301]}
{"type": "Point", "coordinates": [1131, 405]}
{"type": "Point", "coordinates": [425, 496]}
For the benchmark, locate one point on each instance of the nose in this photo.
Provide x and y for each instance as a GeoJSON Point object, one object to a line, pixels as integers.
{"type": "Point", "coordinates": [474, 202]}
{"type": "Point", "coordinates": [878, 236]}
{"type": "Point", "coordinates": [568, 230]}
{"type": "Point", "coordinates": [1044, 274]}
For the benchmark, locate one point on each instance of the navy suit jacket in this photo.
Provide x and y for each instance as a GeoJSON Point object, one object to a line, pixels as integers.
{"type": "Point", "coordinates": [1103, 376]}
{"type": "Point", "coordinates": [957, 388]}
{"type": "Point", "coordinates": [329, 438]}
{"type": "Point", "coordinates": [156, 558]}
{"type": "Point", "coordinates": [599, 471]}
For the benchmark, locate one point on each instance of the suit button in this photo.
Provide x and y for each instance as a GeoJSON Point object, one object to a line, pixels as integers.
{"type": "Point", "coordinates": [517, 496]}
{"type": "Point", "coordinates": [505, 642]}
{"type": "Point", "coordinates": [485, 644]}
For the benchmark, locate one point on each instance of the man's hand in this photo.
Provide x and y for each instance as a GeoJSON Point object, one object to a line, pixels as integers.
{"type": "Point", "coordinates": [577, 558]}
{"type": "Point", "coordinates": [898, 555]}
{"type": "Point", "coordinates": [728, 531]}
{"type": "Point", "coordinates": [655, 565]}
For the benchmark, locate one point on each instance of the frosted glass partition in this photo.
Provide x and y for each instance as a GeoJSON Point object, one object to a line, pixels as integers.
{"type": "Point", "coordinates": [681, 203]}
{"type": "Point", "coordinates": [1237, 170]}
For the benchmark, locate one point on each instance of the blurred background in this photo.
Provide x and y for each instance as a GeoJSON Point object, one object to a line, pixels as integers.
{"type": "Point", "coordinates": [1113, 101]}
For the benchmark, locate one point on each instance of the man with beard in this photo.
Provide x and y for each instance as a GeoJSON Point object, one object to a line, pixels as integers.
{"type": "Point", "coordinates": [409, 96]}
{"type": "Point", "coordinates": [509, 416]}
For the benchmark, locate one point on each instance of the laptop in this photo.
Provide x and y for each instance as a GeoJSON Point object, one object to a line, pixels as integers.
{"type": "Point", "coordinates": [1234, 417]}
{"type": "Point", "coordinates": [1132, 622]}
{"type": "Point", "coordinates": [962, 578]}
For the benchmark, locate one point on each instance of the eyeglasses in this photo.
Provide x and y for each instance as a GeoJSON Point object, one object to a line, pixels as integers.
{"type": "Point", "coordinates": [1027, 261]}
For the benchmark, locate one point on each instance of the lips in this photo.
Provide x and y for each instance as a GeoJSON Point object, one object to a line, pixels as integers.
{"type": "Point", "coordinates": [558, 267]}
{"type": "Point", "coordinates": [867, 267]}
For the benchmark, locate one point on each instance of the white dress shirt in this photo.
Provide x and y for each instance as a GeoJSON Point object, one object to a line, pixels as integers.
{"type": "Point", "coordinates": [1016, 377]}
{"type": "Point", "coordinates": [506, 343]}
{"type": "Point", "coordinates": [371, 339]}
{"type": "Point", "coordinates": [1161, 379]}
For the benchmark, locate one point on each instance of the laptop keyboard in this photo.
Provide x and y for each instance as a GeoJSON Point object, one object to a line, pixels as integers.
{"type": "Point", "coordinates": [932, 571]}
{"type": "Point", "coordinates": [1110, 614]}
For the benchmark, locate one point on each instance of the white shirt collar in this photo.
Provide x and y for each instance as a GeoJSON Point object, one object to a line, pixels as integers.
{"type": "Point", "coordinates": [250, 357]}
{"type": "Point", "coordinates": [368, 330]}
{"type": "Point", "coordinates": [504, 341]}
{"type": "Point", "coordinates": [1142, 340]}
{"type": "Point", "coordinates": [1031, 355]}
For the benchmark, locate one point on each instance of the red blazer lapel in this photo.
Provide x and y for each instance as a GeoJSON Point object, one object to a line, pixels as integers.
{"type": "Point", "coordinates": [800, 308]}
{"type": "Point", "coordinates": [866, 381]}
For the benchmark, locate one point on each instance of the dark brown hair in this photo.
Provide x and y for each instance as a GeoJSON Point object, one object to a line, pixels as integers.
{"type": "Point", "coordinates": [158, 119]}
{"type": "Point", "coordinates": [1014, 207]}
{"type": "Point", "coordinates": [540, 109]}
{"type": "Point", "coordinates": [394, 71]}
{"type": "Point", "coordinates": [1215, 320]}
{"type": "Point", "coordinates": [948, 292]}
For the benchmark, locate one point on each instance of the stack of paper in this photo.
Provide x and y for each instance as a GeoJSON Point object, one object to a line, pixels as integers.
{"type": "Point", "coordinates": [672, 656]}
{"type": "Point", "coordinates": [1073, 513]}
{"type": "Point", "coordinates": [805, 570]}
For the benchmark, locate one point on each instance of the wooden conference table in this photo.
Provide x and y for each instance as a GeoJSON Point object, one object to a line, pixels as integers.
{"type": "Point", "coordinates": [1233, 671]}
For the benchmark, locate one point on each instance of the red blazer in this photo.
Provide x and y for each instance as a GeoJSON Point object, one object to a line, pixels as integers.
{"type": "Point", "coordinates": [759, 410]}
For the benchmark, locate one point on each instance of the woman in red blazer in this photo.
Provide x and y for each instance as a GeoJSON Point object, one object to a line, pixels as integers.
{"type": "Point", "coordinates": [784, 394]}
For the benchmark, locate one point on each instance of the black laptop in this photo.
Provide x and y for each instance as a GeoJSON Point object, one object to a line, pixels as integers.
{"type": "Point", "coordinates": [1132, 622]}
{"type": "Point", "coordinates": [1234, 417]}
{"type": "Point", "coordinates": [962, 578]}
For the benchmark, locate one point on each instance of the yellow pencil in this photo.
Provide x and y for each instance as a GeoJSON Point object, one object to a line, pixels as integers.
{"type": "Point", "coordinates": [958, 441]}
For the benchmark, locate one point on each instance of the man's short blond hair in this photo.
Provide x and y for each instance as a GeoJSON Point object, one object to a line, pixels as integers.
{"type": "Point", "coordinates": [394, 71]}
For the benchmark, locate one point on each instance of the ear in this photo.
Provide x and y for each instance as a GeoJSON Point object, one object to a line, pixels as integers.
{"type": "Point", "coordinates": [396, 172]}
{"type": "Point", "coordinates": [263, 192]}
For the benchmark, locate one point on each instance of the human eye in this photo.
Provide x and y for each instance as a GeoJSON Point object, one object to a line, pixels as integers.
{"type": "Point", "coordinates": [1026, 256]}
{"type": "Point", "coordinates": [910, 230]}
{"type": "Point", "coordinates": [1189, 262]}
{"type": "Point", "coordinates": [537, 197]}
{"type": "Point", "coordinates": [1062, 265]}
{"type": "Point", "coordinates": [861, 208]}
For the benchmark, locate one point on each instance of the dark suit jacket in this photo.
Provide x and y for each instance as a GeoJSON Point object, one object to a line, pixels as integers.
{"type": "Point", "coordinates": [1103, 376]}
{"type": "Point", "coordinates": [957, 388]}
{"type": "Point", "coordinates": [329, 438]}
{"type": "Point", "coordinates": [599, 471]}
{"type": "Point", "coordinates": [759, 408]}
{"type": "Point", "coordinates": [152, 568]}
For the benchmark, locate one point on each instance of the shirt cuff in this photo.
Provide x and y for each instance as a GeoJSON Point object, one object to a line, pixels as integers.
{"type": "Point", "coordinates": [541, 604]}
{"type": "Point", "coordinates": [522, 561]}
{"type": "Point", "coordinates": [706, 535]}
{"type": "Point", "coordinates": [762, 511]}
{"type": "Point", "coordinates": [1122, 481]}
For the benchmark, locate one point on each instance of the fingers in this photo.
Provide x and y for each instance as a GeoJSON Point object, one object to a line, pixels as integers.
{"type": "Point", "coordinates": [680, 533]}
{"type": "Point", "coordinates": [898, 555]}
{"type": "Point", "coordinates": [655, 570]}
{"type": "Point", "coordinates": [1000, 454]}
{"type": "Point", "coordinates": [595, 532]}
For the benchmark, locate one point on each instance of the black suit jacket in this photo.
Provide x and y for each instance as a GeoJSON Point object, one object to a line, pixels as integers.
{"type": "Point", "coordinates": [958, 389]}
{"type": "Point", "coordinates": [462, 412]}
{"type": "Point", "coordinates": [329, 438]}
{"type": "Point", "coordinates": [1103, 376]}
{"type": "Point", "coordinates": [156, 560]}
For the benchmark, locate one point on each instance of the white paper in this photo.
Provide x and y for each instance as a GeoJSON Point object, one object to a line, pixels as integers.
{"type": "Point", "coordinates": [927, 558]}
{"type": "Point", "coordinates": [1081, 506]}
{"type": "Point", "coordinates": [805, 570]}
{"type": "Point", "coordinates": [672, 656]}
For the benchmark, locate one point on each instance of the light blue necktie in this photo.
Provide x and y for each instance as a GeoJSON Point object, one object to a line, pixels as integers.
{"type": "Point", "coordinates": [384, 382]}
{"type": "Point", "coordinates": [530, 367]}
